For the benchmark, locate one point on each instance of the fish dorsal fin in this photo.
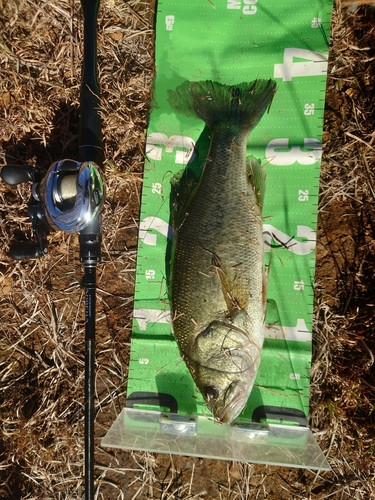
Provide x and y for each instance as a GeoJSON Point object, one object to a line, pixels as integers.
{"type": "Point", "coordinates": [257, 177]}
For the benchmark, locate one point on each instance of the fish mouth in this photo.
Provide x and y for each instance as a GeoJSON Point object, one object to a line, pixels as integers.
{"type": "Point", "coordinates": [235, 399]}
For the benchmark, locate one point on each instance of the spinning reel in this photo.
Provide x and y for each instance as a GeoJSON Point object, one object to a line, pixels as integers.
{"type": "Point", "coordinates": [68, 198]}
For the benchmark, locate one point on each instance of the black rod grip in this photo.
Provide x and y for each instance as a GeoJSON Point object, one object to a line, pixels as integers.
{"type": "Point", "coordinates": [14, 174]}
{"type": "Point", "coordinates": [90, 129]}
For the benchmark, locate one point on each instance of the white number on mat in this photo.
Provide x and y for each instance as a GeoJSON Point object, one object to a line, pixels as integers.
{"type": "Point", "coordinates": [156, 188]}
{"type": "Point", "coordinates": [295, 153]}
{"type": "Point", "coordinates": [145, 316]}
{"type": "Point", "coordinates": [309, 109]}
{"type": "Point", "coordinates": [184, 147]}
{"type": "Point", "coordinates": [248, 8]}
{"type": "Point", "coordinates": [303, 195]}
{"type": "Point", "coordinates": [314, 64]}
{"type": "Point", "coordinates": [156, 224]}
{"type": "Point", "coordinates": [299, 332]}
{"type": "Point", "coordinates": [273, 235]}
{"type": "Point", "coordinates": [299, 285]}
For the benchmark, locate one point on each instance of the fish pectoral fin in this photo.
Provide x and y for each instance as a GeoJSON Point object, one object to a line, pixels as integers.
{"type": "Point", "coordinates": [235, 294]}
{"type": "Point", "coordinates": [257, 178]}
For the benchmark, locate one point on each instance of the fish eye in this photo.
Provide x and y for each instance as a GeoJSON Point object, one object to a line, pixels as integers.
{"type": "Point", "coordinates": [210, 393]}
{"type": "Point", "coordinates": [208, 331]}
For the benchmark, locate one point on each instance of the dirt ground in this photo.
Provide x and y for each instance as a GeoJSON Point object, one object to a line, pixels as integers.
{"type": "Point", "coordinates": [42, 303]}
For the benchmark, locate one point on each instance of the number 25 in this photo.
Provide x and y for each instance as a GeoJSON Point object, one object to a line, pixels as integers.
{"type": "Point", "coordinates": [303, 195]}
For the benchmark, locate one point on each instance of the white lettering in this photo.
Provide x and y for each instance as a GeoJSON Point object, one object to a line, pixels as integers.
{"type": "Point", "coordinates": [150, 274]}
{"type": "Point", "coordinates": [234, 4]}
{"type": "Point", "coordinates": [316, 22]}
{"type": "Point", "coordinates": [156, 224]}
{"type": "Point", "coordinates": [184, 146]}
{"type": "Point", "coordinates": [156, 188]}
{"type": "Point", "coordinates": [169, 22]}
{"type": "Point", "coordinates": [303, 195]}
{"type": "Point", "coordinates": [299, 285]}
{"type": "Point", "coordinates": [248, 6]}
{"type": "Point", "coordinates": [273, 234]}
{"type": "Point", "coordinates": [295, 153]}
{"type": "Point", "coordinates": [298, 333]}
{"type": "Point", "coordinates": [251, 10]}
{"type": "Point", "coordinates": [145, 316]}
{"type": "Point", "coordinates": [309, 109]}
{"type": "Point", "coordinates": [314, 64]}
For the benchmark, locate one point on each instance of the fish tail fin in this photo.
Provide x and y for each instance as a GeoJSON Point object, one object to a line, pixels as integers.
{"type": "Point", "coordinates": [243, 104]}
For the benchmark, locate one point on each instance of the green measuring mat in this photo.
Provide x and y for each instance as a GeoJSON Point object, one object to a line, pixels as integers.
{"type": "Point", "coordinates": [234, 41]}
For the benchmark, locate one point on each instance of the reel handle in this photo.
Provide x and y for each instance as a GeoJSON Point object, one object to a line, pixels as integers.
{"type": "Point", "coordinates": [14, 174]}
{"type": "Point", "coordinates": [22, 251]}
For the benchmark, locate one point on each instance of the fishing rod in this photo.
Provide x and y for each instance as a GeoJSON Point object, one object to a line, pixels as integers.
{"type": "Point", "coordinates": [69, 198]}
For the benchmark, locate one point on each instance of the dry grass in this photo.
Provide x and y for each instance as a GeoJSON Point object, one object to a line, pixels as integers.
{"type": "Point", "coordinates": [41, 303]}
{"type": "Point", "coordinates": [42, 330]}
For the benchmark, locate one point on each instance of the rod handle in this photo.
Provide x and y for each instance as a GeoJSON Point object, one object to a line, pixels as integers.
{"type": "Point", "coordinates": [13, 174]}
{"type": "Point", "coordinates": [25, 251]}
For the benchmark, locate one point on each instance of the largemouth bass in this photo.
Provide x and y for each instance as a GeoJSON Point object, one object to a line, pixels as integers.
{"type": "Point", "coordinates": [218, 286]}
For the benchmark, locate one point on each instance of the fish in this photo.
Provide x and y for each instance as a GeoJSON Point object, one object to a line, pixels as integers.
{"type": "Point", "coordinates": [217, 278]}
